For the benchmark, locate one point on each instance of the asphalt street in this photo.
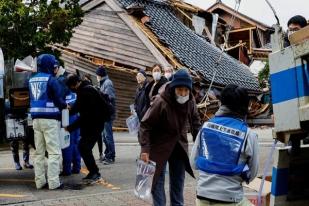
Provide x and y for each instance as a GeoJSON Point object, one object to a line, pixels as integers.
{"type": "Point", "coordinates": [17, 187]}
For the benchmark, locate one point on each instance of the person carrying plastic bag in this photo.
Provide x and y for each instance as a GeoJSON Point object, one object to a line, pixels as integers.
{"type": "Point", "coordinates": [163, 136]}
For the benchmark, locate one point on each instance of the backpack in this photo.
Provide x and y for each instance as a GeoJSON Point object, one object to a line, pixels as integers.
{"type": "Point", "coordinates": [108, 107]}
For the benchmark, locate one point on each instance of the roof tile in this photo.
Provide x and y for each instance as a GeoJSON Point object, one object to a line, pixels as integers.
{"type": "Point", "coordinates": [192, 50]}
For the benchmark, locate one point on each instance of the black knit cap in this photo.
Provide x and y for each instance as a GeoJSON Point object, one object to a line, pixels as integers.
{"type": "Point", "coordinates": [101, 71]}
{"type": "Point", "coordinates": [235, 98]}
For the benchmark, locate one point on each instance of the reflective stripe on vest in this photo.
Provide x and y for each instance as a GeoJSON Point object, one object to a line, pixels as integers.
{"type": "Point", "coordinates": [221, 144]}
{"type": "Point", "coordinates": [71, 98]}
{"type": "Point", "coordinates": [44, 110]}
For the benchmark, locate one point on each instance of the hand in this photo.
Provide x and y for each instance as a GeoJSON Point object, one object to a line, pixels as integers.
{"type": "Point", "coordinates": [69, 107]}
{"type": "Point", "coordinates": [66, 129]}
{"type": "Point", "coordinates": [145, 157]}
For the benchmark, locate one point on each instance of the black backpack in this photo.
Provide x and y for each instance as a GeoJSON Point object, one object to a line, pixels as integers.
{"type": "Point", "coordinates": [107, 105]}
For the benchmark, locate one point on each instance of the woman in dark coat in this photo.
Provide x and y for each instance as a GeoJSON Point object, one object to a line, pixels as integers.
{"type": "Point", "coordinates": [154, 86]}
{"type": "Point", "coordinates": [163, 136]}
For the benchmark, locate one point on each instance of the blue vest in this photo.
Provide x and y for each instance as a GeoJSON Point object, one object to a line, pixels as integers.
{"type": "Point", "coordinates": [41, 105]}
{"type": "Point", "coordinates": [222, 139]}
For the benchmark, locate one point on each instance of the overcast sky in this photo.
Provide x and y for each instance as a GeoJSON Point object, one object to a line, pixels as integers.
{"type": "Point", "coordinates": [259, 10]}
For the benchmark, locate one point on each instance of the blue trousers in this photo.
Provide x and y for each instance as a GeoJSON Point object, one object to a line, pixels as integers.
{"type": "Point", "coordinates": [176, 184]}
{"type": "Point", "coordinates": [108, 140]}
{"type": "Point", "coordinates": [71, 155]}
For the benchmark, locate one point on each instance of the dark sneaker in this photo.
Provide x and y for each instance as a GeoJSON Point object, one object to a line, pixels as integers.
{"type": "Point", "coordinates": [108, 161]}
{"type": "Point", "coordinates": [27, 165]}
{"type": "Point", "coordinates": [17, 166]}
{"type": "Point", "coordinates": [93, 178]}
{"type": "Point", "coordinates": [88, 177]}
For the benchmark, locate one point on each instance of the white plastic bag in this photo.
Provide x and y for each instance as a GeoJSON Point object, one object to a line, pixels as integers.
{"type": "Point", "coordinates": [64, 138]}
{"type": "Point", "coordinates": [144, 176]}
{"type": "Point", "coordinates": [133, 124]}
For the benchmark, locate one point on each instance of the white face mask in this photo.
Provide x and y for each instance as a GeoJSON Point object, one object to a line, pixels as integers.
{"type": "Point", "coordinates": [156, 76]}
{"type": "Point", "coordinates": [168, 75]}
{"type": "Point", "coordinates": [181, 99]}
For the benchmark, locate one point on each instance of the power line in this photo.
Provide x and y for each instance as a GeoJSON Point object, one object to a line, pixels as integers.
{"type": "Point", "coordinates": [217, 63]}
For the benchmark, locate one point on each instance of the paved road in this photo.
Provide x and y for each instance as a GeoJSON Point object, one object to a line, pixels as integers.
{"type": "Point", "coordinates": [17, 187]}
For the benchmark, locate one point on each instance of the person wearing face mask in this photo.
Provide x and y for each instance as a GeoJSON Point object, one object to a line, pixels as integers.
{"type": "Point", "coordinates": [168, 73]}
{"type": "Point", "coordinates": [294, 24]}
{"type": "Point", "coordinates": [46, 103]}
{"type": "Point", "coordinates": [224, 165]}
{"type": "Point", "coordinates": [157, 82]}
{"type": "Point", "coordinates": [140, 102]}
{"type": "Point", "coordinates": [163, 136]}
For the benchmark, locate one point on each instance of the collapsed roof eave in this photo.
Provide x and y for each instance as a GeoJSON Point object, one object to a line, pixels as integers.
{"type": "Point", "coordinates": [243, 17]}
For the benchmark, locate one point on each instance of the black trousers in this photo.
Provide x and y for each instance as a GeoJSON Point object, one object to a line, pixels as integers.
{"type": "Point", "coordinates": [89, 137]}
{"type": "Point", "coordinates": [15, 147]}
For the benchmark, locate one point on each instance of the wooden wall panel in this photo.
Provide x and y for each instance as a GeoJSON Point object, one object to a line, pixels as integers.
{"type": "Point", "coordinates": [124, 83]}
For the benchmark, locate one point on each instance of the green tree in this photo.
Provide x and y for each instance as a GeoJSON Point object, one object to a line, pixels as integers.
{"type": "Point", "coordinates": [263, 75]}
{"type": "Point", "coordinates": [29, 26]}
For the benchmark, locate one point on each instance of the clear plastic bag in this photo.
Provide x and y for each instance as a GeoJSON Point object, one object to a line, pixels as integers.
{"type": "Point", "coordinates": [64, 138]}
{"type": "Point", "coordinates": [144, 176]}
{"type": "Point", "coordinates": [133, 124]}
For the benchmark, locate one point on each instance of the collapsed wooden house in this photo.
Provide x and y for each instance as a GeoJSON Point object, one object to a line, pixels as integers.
{"type": "Point", "coordinates": [128, 35]}
{"type": "Point", "coordinates": [249, 39]}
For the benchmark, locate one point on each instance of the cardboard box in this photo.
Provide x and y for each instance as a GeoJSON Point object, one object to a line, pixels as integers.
{"type": "Point", "coordinates": [252, 192]}
{"type": "Point", "coordinates": [300, 35]}
{"type": "Point", "coordinates": [19, 98]}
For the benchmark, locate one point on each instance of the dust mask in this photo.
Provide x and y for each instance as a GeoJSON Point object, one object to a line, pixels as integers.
{"type": "Point", "coordinates": [168, 75]}
{"type": "Point", "coordinates": [156, 76]}
{"type": "Point", "coordinates": [182, 99]}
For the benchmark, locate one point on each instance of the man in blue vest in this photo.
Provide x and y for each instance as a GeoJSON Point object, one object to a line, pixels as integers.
{"type": "Point", "coordinates": [226, 152]}
{"type": "Point", "coordinates": [46, 104]}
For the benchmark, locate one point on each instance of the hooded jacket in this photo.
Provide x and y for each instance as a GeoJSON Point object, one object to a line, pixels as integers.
{"type": "Point", "coordinates": [164, 128]}
{"type": "Point", "coordinates": [226, 188]}
{"type": "Point", "coordinates": [54, 89]}
{"type": "Point", "coordinates": [107, 87]}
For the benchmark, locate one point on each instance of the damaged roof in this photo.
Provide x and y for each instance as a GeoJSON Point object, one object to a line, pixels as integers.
{"type": "Point", "coordinates": [192, 50]}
